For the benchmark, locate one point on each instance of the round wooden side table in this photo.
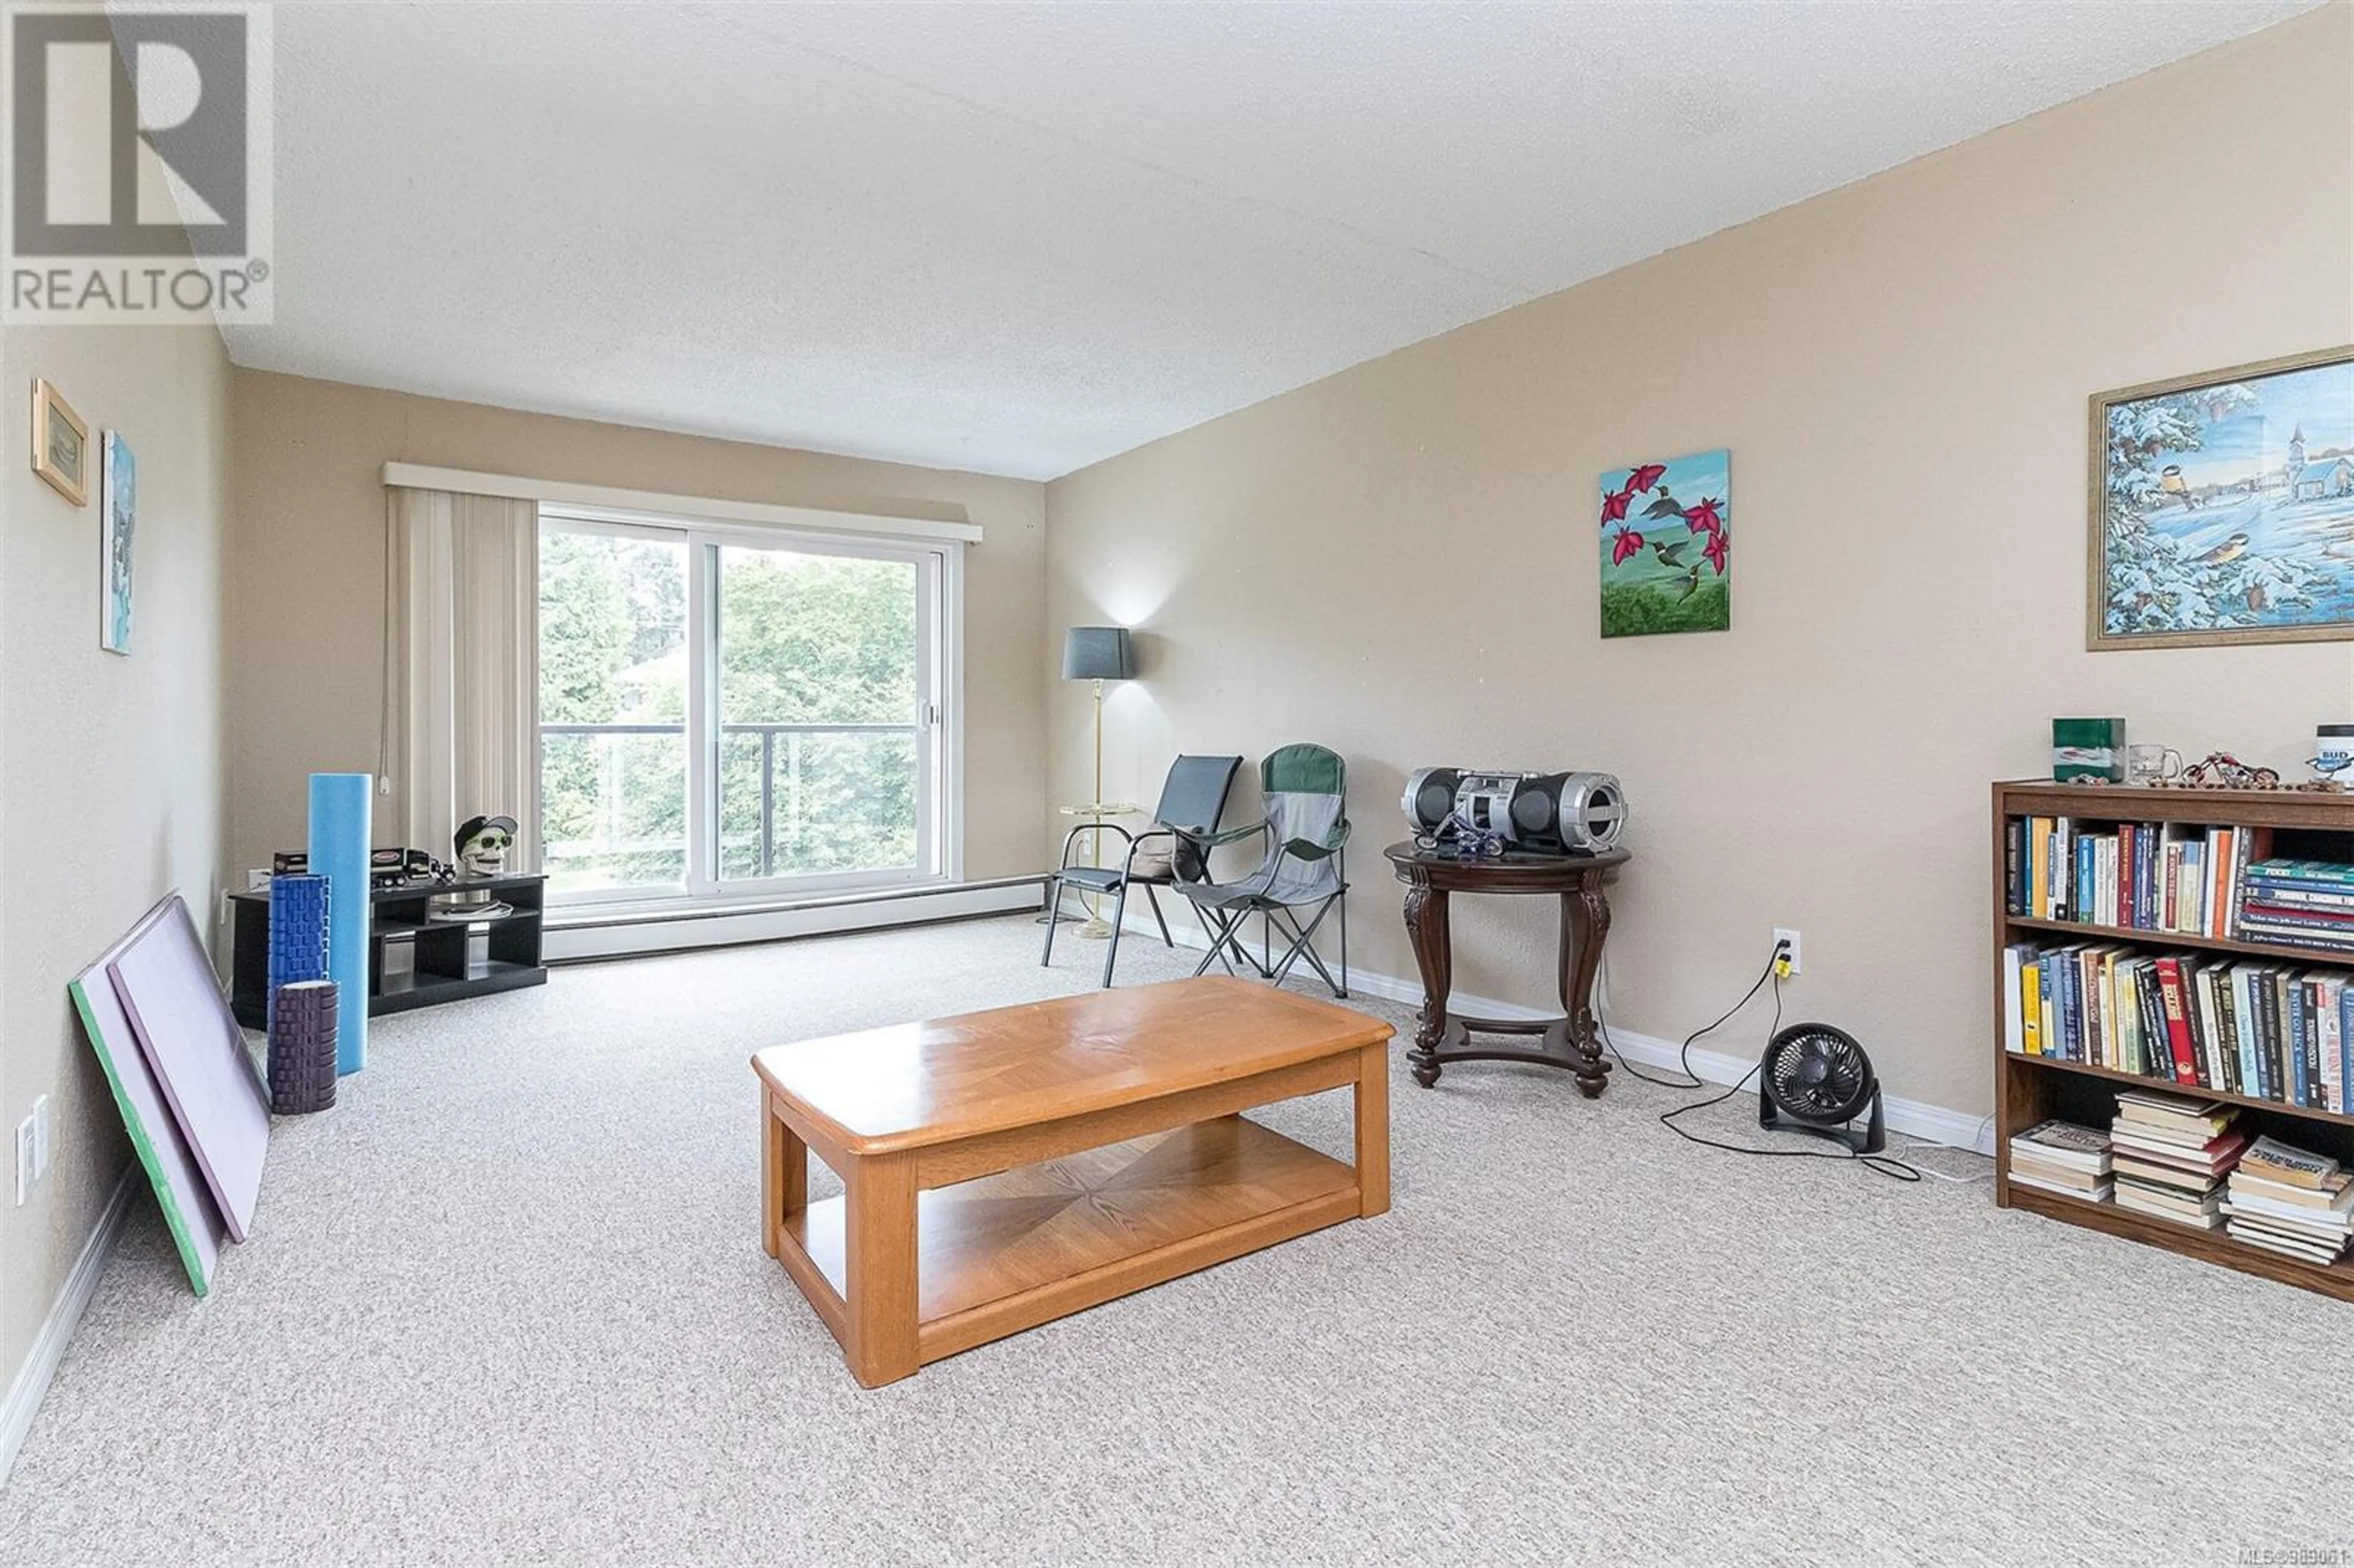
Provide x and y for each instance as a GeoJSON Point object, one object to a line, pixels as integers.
{"type": "Point", "coordinates": [1569, 1042]}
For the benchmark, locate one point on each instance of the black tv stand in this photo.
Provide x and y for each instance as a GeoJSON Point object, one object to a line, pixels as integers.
{"type": "Point", "coordinates": [444, 965]}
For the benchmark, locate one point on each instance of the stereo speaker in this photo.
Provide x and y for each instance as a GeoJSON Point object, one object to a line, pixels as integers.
{"type": "Point", "coordinates": [1548, 814]}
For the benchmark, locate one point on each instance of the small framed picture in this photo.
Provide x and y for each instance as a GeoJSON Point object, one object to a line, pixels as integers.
{"type": "Point", "coordinates": [1667, 533]}
{"type": "Point", "coordinates": [120, 504]}
{"type": "Point", "coordinates": [60, 444]}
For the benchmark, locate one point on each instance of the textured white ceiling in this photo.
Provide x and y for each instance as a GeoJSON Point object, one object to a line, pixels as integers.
{"type": "Point", "coordinates": [1023, 239]}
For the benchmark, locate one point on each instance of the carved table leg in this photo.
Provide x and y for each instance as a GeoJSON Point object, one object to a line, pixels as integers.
{"type": "Point", "coordinates": [1585, 926]}
{"type": "Point", "coordinates": [1426, 926]}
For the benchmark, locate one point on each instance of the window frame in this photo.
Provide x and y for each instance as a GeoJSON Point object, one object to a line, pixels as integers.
{"type": "Point", "coordinates": [939, 729]}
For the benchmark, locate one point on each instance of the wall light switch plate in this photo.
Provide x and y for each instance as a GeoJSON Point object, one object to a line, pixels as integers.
{"type": "Point", "coordinates": [24, 1177]}
{"type": "Point", "coordinates": [41, 1137]}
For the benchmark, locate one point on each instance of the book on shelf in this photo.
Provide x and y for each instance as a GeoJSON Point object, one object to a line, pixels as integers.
{"type": "Point", "coordinates": [2175, 1113]}
{"type": "Point", "coordinates": [2288, 1166]}
{"type": "Point", "coordinates": [2253, 1027]}
{"type": "Point", "coordinates": [2181, 1049]}
{"type": "Point", "coordinates": [2014, 1005]}
{"type": "Point", "coordinates": [2065, 1143]}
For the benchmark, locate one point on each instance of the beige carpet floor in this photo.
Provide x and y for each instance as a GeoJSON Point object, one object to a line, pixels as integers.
{"type": "Point", "coordinates": [507, 1304]}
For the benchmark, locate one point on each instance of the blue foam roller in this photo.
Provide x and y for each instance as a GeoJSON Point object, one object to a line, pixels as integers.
{"type": "Point", "coordinates": [298, 937]}
{"type": "Point", "coordinates": [340, 831]}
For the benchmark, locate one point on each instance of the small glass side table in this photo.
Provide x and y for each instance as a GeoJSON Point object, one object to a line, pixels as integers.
{"type": "Point", "coordinates": [1097, 928]}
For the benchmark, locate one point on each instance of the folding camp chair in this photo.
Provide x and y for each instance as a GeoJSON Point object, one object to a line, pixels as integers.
{"type": "Point", "coordinates": [1191, 802]}
{"type": "Point", "coordinates": [1304, 878]}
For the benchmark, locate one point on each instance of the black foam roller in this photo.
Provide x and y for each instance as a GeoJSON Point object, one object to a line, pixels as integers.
{"type": "Point", "coordinates": [303, 1048]}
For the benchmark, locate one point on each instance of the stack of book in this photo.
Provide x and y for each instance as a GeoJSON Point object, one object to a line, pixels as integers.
{"type": "Point", "coordinates": [2302, 903]}
{"type": "Point", "coordinates": [2171, 1155]}
{"type": "Point", "coordinates": [2062, 1157]}
{"type": "Point", "coordinates": [2291, 1202]}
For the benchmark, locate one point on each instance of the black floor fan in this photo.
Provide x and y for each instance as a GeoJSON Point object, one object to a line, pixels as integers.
{"type": "Point", "coordinates": [1815, 1079]}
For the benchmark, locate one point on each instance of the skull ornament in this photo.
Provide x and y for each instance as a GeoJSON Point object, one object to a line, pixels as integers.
{"type": "Point", "coordinates": [483, 843]}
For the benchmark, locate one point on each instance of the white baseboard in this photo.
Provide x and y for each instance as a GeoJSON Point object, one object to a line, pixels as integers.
{"type": "Point", "coordinates": [582, 934]}
{"type": "Point", "coordinates": [32, 1381]}
{"type": "Point", "coordinates": [1914, 1118]}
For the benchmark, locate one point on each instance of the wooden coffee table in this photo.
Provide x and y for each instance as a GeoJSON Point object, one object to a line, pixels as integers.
{"type": "Point", "coordinates": [1007, 1167]}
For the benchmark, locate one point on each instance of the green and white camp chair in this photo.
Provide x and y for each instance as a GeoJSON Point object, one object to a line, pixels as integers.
{"type": "Point", "coordinates": [1303, 879]}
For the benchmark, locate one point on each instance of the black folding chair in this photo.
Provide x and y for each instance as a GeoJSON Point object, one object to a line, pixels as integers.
{"type": "Point", "coordinates": [1191, 802]}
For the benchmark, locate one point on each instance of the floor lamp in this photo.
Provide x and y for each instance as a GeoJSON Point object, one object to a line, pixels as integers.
{"type": "Point", "coordinates": [1098, 654]}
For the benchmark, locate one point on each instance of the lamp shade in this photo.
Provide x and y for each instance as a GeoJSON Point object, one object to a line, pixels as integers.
{"type": "Point", "coordinates": [1098, 653]}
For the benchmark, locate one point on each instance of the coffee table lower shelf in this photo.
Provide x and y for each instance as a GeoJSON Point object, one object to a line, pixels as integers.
{"type": "Point", "coordinates": [1010, 1251]}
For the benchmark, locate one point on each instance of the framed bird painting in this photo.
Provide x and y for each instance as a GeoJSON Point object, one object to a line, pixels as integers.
{"type": "Point", "coordinates": [1667, 546]}
{"type": "Point", "coordinates": [2222, 507]}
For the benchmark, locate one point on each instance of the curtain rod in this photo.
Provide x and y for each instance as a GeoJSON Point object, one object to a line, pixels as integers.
{"type": "Point", "coordinates": [421, 476]}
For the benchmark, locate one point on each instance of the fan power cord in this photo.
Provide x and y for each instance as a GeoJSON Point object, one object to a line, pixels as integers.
{"type": "Point", "coordinates": [1972, 1148]}
{"type": "Point", "coordinates": [1882, 1164]}
{"type": "Point", "coordinates": [1683, 1056]}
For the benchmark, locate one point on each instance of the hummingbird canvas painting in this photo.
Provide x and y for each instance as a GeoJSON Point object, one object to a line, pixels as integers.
{"type": "Point", "coordinates": [1667, 546]}
{"type": "Point", "coordinates": [2222, 507]}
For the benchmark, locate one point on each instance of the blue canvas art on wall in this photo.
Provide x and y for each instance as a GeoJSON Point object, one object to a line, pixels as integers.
{"type": "Point", "coordinates": [2223, 507]}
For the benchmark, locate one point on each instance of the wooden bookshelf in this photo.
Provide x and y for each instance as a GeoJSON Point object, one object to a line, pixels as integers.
{"type": "Point", "coordinates": [2029, 1089]}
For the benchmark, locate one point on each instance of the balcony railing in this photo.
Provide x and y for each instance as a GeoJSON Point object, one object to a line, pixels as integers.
{"type": "Point", "coordinates": [782, 750]}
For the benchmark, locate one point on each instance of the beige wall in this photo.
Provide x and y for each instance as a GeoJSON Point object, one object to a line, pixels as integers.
{"type": "Point", "coordinates": [110, 779]}
{"type": "Point", "coordinates": [1399, 561]}
{"type": "Point", "coordinates": [307, 580]}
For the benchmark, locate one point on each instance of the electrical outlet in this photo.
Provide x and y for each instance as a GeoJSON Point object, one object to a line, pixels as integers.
{"type": "Point", "coordinates": [40, 1138]}
{"type": "Point", "coordinates": [24, 1177]}
{"type": "Point", "coordinates": [1790, 955]}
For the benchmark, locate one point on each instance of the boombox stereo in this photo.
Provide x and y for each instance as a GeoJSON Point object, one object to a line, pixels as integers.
{"type": "Point", "coordinates": [1549, 813]}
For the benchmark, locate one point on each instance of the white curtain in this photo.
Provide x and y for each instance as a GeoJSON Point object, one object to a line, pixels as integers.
{"type": "Point", "coordinates": [462, 667]}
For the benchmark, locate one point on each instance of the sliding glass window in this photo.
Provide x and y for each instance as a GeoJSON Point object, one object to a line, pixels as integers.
{"type": "Point", "coordinates": [728, 713]}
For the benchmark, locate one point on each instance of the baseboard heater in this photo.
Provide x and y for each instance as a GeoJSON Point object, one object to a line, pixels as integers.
{"type": "Point", "coordinates": [586, 934]}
